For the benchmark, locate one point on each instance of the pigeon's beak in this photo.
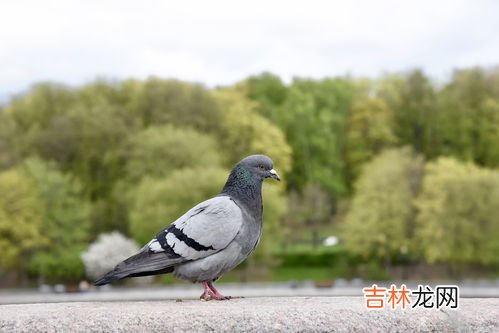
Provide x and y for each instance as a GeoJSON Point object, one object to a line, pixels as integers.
{"type": "Point", "coordinates": [274, 174]}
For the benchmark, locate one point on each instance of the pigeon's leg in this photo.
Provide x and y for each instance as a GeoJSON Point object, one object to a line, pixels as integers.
{"type": "Point", "coordinates": [210, 292]}
{"type": "Point", "coordinates": [205, 296]}
{"type": "Point", "coordinates": [217, 294]}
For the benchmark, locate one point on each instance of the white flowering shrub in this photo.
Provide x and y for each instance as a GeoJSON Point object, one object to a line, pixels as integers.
{"type": "Point", "coordinates": [107, 251]}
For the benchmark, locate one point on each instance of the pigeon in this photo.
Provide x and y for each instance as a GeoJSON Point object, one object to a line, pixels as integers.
{"type": "Point", "coordinates": [211, 238]}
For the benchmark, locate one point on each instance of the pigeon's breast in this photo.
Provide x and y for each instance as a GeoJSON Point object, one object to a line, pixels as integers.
{"type": "Point", "coordinates": [214, 266]}
{"type": "Point", "coordinates": [250, 233]}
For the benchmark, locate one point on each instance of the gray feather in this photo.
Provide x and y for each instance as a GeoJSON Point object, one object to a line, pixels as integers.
{"type": "Point", "coordinates": [205, 229]}
{"type": "Point", "coordinates": [145, 262]}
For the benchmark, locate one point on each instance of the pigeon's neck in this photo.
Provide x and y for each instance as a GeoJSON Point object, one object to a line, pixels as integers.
{"type": "Point", "coordinates": [246, 189]}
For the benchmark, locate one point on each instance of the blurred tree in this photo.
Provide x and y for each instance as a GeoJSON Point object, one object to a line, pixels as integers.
{"type": "Point", "coordinates": [314, 119]}
{"type": "Point", "coordinates": [492, 77]}
{"type": "Point", "coordinates": [458, 219]}
{"type": "Point", "coordinates": [415, 115]}
{"type": "Point", "coordinates": [9, 151]}
{"type": "Point", "coordinates": [93, 138]}
{"type": "Point", "coordinates": [276, 205]}
{"type": "Point", "coordinates": [380, 219]}
{"type": "Point", "coordinates": [59, 265]}
{"type": "Point", "coordinates": [155, 153]}
{"type": "Point", "coordinates": [58, 141]}
{"type": "Point", "coordinates": [102, 92]}
{"type": "Point", "coordinates": [159, 150]}
{"type": "Point", "coordinates": [21, 217]}
{"type": "Point", "coordinates": [309, 211]}
{"type": "Point", "coordinates": [268, 90]}
{"type": "Point", "coordinates": [487, 134]}
{"type": "Point", "coordinates": [39, 105]}
{"type": "Point", "coordinates": [174, 102]}
{"type": "Point", "coordinates": [363, 88]}
{"type": "Point", "coordinates": [314, 116]}
{"type": "Point", "coordinates": [66, 219]}
{"type": "Point", "coordinates": [369, 131]}
{"type": "Point", "coordinates": [245, 132]}
{"type": "Point", "coordinates": [469, 120]}
{"type": "Point", "coordinates": [388, 88]}
{"type": "Point", "coordinates": [156, 203]}
{"type": "Point", "coordinates": [80, 129]}
{"type": "Point", "coordinates": [22, 119]}
{"type": "Point", "coordinates": [65, 224]}
{"type": "Point", "coordinates": [82, 134]}
{"type": "Point", "coordinates": [109, 136]}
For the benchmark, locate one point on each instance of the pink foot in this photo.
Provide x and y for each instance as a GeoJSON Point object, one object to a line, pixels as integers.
{"type": "Point", "coordinates": [210, 292]}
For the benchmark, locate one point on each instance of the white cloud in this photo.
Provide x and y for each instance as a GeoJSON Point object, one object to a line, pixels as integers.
{"type": "Point", "coordinates": [219, 42]}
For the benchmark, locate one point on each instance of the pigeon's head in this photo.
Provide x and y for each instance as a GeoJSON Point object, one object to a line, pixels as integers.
{"type": "Point", "coordinates": [248, 175]}
{"type": "Point", "coordinates": [259, 166]}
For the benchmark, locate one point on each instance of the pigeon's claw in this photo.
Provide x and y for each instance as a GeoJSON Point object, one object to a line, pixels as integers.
{"type": "Point", "coordinates": [210, 292]}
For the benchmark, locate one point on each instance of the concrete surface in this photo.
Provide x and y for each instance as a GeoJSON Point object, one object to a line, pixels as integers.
{"type": "Point", "coordinates": [107, 293]}
{"type": "Point", "coordinates": [258, 314]}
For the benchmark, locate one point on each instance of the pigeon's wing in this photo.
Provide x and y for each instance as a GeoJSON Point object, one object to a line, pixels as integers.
{"type": "Point", "coordinates": [205, 229]}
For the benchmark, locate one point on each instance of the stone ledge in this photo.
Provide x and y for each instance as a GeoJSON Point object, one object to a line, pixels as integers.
{"type": "Point", "coordinates": [257, 314]}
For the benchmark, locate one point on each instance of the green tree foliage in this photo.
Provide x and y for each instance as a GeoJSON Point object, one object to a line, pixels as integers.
{"type": "Point", "coordinates": [388, 88]}
{"type": "Point", "coordinates": [27, 115]}
{"type": "Point", "coordinates": [381, 214]}
{"type": "Point", "coordinates": [487, 133]}
{"type": "Point", "coordinates": [66, 219]}
{"type": "Point", "coordinates": [309, 211]}
{"type": "Point", "coordinates": [369, 131]}
{"type": "Point", "coordinates": [82, 134]}
{"type": "Point", "coordinates": [468, 116]}
{"type": "Point", "coordinates": [58, 265]}
{"type": "Point", "coordinates": [276, 205]}
{"type": "Point", "coordinates": [38, 107]}
{"type": "Point", "coordinates": [21, 218]}
{"type": "Point", "coordinates": [245, 132]}
{"type": "Point", "coordinates": [415, 114]}
{"type": "Point", "coordinates": [174, 102]}
{"type": "Point", "coordinates": [9, 156]}
{"type": "Point", "coordinates": [65, 223]}
{"type": "Point", "coordinates": [95, 136]}
{"type": "Point", "coordinates": [268, 90]}
{"type": "Point", "coordinates": [102, 92]}
{"type": "Point", "coordinates": [458, 219]}
{"type": "Point", "coordinates": [159, 150]}
{"type": "Point", "coordinates": [117, 153]}
{"type": "Point", "coordinates": [156, 203]}
{"type": "Point", "coordinates": [313, 117]}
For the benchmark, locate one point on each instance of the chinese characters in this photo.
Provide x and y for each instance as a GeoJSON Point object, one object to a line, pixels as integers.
{"type": "Point", "coordinates": [443, 296]}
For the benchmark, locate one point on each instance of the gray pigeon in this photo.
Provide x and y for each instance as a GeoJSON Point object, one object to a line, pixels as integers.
{"type": "Point", "coordinates": [211, 238]}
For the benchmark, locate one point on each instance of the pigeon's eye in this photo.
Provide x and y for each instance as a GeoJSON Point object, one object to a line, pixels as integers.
{"type": "Point", "coordinates": [261, 167]}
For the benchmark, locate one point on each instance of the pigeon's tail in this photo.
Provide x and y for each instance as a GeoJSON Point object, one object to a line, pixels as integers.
{"type": "Point", "coordinates": [107, 278]}
{"type": "Point", "coordinates": [144, 263]}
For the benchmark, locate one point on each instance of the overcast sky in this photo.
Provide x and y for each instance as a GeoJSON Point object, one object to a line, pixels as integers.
{"type": "Point", "coordinates": [221, 42]}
